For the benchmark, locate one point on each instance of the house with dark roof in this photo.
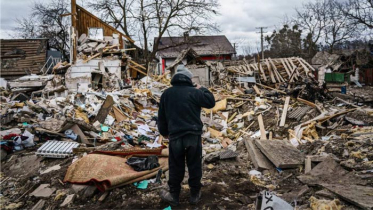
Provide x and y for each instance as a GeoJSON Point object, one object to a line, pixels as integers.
{"type": "Point", "coordinates": [199, 68]}
{"type": "Point", "coordinates": [211, 48]}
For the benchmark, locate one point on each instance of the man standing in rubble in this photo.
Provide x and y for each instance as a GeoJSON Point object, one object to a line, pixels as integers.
{"type": "Point", "coordinates": [179, 120]}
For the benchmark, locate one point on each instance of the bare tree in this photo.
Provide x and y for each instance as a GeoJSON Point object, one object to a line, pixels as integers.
{"type": "Point", "coordinates": [312, 19]}
{"type": "Point", "coordinates": [359, 11]}
{"type": "Point", "coordinates": [26, 28]}
{"type": "Point", "coordinates": [146, 18]}
{"type": "Point", "coordinates": [46, 22]}
{"type": "Point", "coordinates": [247, 49]}
{"type": "Point", "coordinates": [337, 28]}
{"type": "Point", "coordinates": [117, 13]}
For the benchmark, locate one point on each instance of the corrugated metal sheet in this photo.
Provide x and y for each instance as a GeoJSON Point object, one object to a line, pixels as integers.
{"type": "Point", "coordinates": [19, 56]}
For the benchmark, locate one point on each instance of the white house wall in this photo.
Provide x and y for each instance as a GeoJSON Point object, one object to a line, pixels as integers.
{"type": "Point", "coordinates": [169, 61]}
{"type": "Point", "coordinates": [78, 77]}
{"type": "Point", "coordinates": [203, 74]}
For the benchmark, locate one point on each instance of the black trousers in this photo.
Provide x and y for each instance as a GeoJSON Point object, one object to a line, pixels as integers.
{"type": "Point", "coordinates": [189, 147]}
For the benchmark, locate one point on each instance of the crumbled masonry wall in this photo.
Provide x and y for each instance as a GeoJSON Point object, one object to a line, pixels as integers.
{"type": "Point", "coordinates": [81, 73]}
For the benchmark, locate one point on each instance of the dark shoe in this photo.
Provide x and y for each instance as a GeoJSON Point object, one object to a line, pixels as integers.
{"type": "Point", "coordinates": [195, 197]}
{"type": "Point", "coordinates": [171, 198]}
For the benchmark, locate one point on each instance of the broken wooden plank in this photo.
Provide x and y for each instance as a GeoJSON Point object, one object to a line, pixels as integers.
{"type": "Point", "coordinates": [346, 102]}
{"type": "Point", "coordinates": [214, 133]}
{"type": "Point", "coordinates": [307, 64]}
{"type": "Point", "coordinates": [103, 196]}
{"type": "Point", "coordinates": [222, 116]}
{"type": "Point", "coordinates": [138, 65]}
{"type": "Point", "coordinates": [280, 79]}
{"type": "Point", "coordinates": [232, 117]}
{"type": "Point", "coordinates": [295, 69]}
{"type": "Point", "coordinates": [162, 76]}
{"type": "Point", "coordinates": [286, 68]}
{"type": "Point", "coordinates": [83, 149]}
{"type": "Point", "coordinates": [281, 153]}
{"type": "Point", "coordinates": [360, 196]}
{"type": "Point", "coordinates": [307, 165]}
{"type": "Point", "coordinates": [270, 72]}
{"type": "Point", "coordinates": [263, 135]}
{"type": "Point", "coordinates": [80, 133]}
{"type": "Point", "coordinates": [307, 102]}
{"type": "Point", "coordinates": [280, 91]}
{"type": "Point", "coordinates": [329, 172]}
{"type": "Point", "coordinates": [263, 73]}
{"type": "Point", "coordinates": [335, 115]}
{"type": "Point", "coordinates": [105, 109]}
{"type": "Point", "coordinates": [118, 114]}
{"type": "Point", "coordinates": [259, 160]}
{"type": "Point", "coordinates": [240, 99]}
{"type": "Point", "coordinates": [98, 54]}
{"type": "Point", "coordinates": [293, 76]}
{"type": "Point", "coordinates": [304, 66]}
{"type": "Point", "coordinates": [241, 132]}
{"type": "Point", "coordinates": [136, 69]}
{"type": "Point", "coordinates": [254, 66]}
{"type": "Point", "coordinates": [257, 91]}
{"type": "Point", "coordinates": [284, 111]}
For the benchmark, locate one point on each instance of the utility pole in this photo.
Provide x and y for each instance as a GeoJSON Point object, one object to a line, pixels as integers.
{"type": "Point", "coordinates": [235, 54]}
{"type": "Point", "coordinates": [261, 38]}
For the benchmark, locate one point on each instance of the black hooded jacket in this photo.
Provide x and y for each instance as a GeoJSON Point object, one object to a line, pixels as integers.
{"type": "Point", "coordinates": [180, 108]}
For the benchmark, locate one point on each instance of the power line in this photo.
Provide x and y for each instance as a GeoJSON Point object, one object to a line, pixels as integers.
{"type": "Point", "coordinates": [261, 38]}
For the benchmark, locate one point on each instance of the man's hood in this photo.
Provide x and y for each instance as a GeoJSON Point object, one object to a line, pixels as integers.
{"type": "Point", "coordinates": [181, 80]}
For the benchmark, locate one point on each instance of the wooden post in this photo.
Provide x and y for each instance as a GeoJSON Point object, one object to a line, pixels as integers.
{"type": "Point", "coordinates": [284, 111]}
{"type": "Point", "coordinates": [263, 135]}
{"type": "Point", "coordinates": [73, 24]}
{"type": "Point", "coordinates": [73, 13]}
{"type": "Point", "coordinates": [121, 44]}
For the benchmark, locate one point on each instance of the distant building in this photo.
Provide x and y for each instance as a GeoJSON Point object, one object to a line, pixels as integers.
{"type": "Point", "coordinates": [210, 48]}
{"type": "Point", "coordinates": [20, 57]}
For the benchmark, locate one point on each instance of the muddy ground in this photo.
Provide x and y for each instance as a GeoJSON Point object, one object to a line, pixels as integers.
{"type": "Point", "coordinates": [226, 186]}
{"type": "Point", "coordinates": [227, 183]}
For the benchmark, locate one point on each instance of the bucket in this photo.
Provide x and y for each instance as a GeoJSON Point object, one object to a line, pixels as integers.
{"type": "Point", "coordinates": [343, 90]}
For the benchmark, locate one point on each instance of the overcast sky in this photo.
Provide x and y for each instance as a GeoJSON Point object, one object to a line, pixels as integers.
{"type": "Point", "coordinates": [238, 19]}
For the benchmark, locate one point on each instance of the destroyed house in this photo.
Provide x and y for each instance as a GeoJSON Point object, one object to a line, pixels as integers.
{"type": "Point", "coordinates": [199, 68]}
{"type": "Point", "coordinates": [345, 66]}
{"type": "Point", "coordinates": [102, 56]}
{"type": "Point", "coordinates": [20, 57]}
{"type": "Point", "coordinates": [213, 48]}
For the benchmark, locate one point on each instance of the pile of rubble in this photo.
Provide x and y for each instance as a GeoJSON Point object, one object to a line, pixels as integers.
{"type": "Point", "coordinates": [279, 70]}
{"type": "Point", "coordinates": [279, 146]}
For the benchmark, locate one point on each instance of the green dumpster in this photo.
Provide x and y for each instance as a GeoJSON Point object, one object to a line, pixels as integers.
{"type": "Point", "coordinates": [328, 77]}
{"type": "Point", "coordinates": [338, 77]}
